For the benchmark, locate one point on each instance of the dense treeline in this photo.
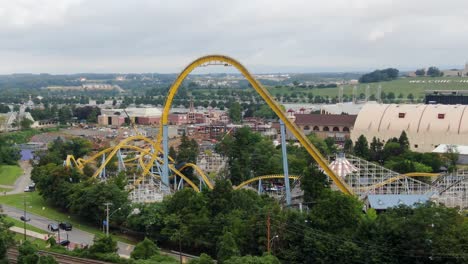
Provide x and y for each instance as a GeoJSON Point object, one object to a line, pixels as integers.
{"type": "Point", "coordinates": [379, 76]}
{"type": "Point", "coordinates": [396, 155]}
{"type": "Point", "coordinates": [228, 224]}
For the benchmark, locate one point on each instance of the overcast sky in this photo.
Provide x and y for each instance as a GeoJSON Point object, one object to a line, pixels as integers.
{"type": "Point", "coordinates": [69, 36]}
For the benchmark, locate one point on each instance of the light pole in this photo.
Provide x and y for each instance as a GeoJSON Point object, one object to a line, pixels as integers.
{"type": "Point", "coordinates": [271, 241]}
{"type": "Point", "coordinates": [24, 214]}
{"type": "Point", "coordinates": [108, 216]}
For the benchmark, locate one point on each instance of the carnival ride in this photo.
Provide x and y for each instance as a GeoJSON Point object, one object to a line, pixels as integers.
{"type": "Point", "coordinates": [155, 174]}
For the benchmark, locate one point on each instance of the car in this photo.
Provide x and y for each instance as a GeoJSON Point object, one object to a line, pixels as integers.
{"type": "Point", "coordinates": [53, 227]}
{"type": "Point", "coordinates": [25, 219]}
{"type": "Point", "coordinates": [65, 226]}
{"type": "Point", "coordinates": [27, 189]}
{"type": "Point", "coordinates": [65, 243]}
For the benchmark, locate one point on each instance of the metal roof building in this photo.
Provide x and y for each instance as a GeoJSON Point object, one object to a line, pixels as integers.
{"type": "Point", "coordinates": [427, 126]}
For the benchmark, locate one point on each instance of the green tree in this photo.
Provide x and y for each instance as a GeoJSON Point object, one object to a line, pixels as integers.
{"type": "Point", "coordinates": [348, 146]}
{"type": "Point", "coordinates": [47, 260]}
{"type": "Point", "coordinates": [404, 141]}
{"type": "Point", "coordinates": [103, 244]}
{"type": "Point", "coordinates": [203, 259]}
{"type": "Point", "coordinates": [267, 259]}
{"type": "Point", "coordinates": [227, 247]}
{"type": "Point", "coordinates": [235, 112]}
{"type": "Point", "coordinates": [27, 253]}
{"type": "Point", "coordinates": [144, 250]}
{"type": "Point", "coordinates": [451, 157]}
{"type": "Point", "coordinates": [361, 147]}
{"type": "Point", "coordinates": [376, 150]}
{"type": "Point", "coordinates": [420, 72]}
{"type": "Point", "coordinates": [434, 72]}
{"type": "Point", "coordinates": [25, 123]}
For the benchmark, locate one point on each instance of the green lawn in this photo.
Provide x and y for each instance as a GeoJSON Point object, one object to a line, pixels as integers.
{"type": "Point", "coordinates": [9, 174]}
{"type": "Point", "coordinates": [403, 86]}
{"type": "Point", "coordinates": [19, 223]}
{"type": "Point", "coordinates": [36, 205]}
{"type": "Point", "coordinates": [41, 244]}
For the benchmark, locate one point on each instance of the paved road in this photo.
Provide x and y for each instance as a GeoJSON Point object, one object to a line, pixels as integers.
{"type": "Point", "coordinates": [76, 236]}
{"type": "Point", "coordinates": [24, 180]}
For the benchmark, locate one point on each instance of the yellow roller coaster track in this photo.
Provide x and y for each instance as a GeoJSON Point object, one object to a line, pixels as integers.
{"type": "Point", "coordinates": [399, 177]}
{"type": "Point", "coordinates": [322, 162]}
{"type": "Point", "coordinates": [265, 177]}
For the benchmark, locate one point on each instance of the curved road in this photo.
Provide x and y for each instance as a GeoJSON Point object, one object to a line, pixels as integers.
{"type": "Point", "coordinates": [76, 236]}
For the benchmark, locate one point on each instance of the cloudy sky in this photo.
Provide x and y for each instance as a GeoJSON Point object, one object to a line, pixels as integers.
{"type": "Point", "coordinates": [68, 36]}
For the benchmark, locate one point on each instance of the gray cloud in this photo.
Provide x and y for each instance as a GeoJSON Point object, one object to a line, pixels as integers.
{"type": "Point", "coordinates": [163, 36]}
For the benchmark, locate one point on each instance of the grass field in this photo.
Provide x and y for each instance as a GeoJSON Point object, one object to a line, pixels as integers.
{"type": "Point", "coordinates": [41, 244]}
{"type": "Point", "coordinates": [403, 86]}
{"type": "Point", "coordinates": [36, 205]}
{"type": "Point", "coordinates": [9, 174]}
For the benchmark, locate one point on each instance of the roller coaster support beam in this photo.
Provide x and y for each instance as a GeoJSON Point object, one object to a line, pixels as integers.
{"type": "Point", "coordinates": [260, 186]}
{"type": "Point", "coordinates": [103, 171]}
{"type": "Point", "coordinates": [285, 163]}
{"type": "Point", "coordinates": [165, 171]}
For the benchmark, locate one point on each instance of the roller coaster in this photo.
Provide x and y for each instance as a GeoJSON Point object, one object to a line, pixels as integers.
{"type": "Point", "coordinates": [155, 174]}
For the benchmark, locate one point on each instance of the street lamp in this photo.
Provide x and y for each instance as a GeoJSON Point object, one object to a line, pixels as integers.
{"type": "Point", "coordinates": [271, 241]}
{"type": "Point", "coordinates": [109, 215]}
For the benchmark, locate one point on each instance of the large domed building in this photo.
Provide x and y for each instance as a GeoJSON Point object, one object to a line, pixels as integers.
{"type": "Point", "coordinates": [426, 125]}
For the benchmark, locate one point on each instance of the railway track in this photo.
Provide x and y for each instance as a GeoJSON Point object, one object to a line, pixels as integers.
{"type": "Point", "coordinates": [12, 255]}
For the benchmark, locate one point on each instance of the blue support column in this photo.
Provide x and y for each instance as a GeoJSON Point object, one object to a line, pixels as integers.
{"type": "Point", "coordinates": [103, 172]}
{"type": "Point", "coordinates": [260, 186]}
{"type": "Point", "coordinates": [285, 163]}
{"type": "Point", "coordinates": [165, 170]}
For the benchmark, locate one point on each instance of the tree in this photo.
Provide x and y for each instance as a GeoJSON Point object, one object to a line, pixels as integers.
{"type": "Point", "coordinates": [348, 145]}
{"type": "Point", "coordinates": [203, 259]}
{"type": "Point", "coordinates": [27, 253]}
{"type": "Point", "coordinates": [266, 259]}
{"type": "Point", "coordinates": [26, 123]}
{"type": "Point", "coordinates": [376, 150]}
{"type": "Point", "coordinates": [361, 147]}
{"type": "Point", "coordinates": [144, 250]}
{"type": "Point", "coordinates": [227, 247]}
{"type": "Point", "coordinates": [451, 157]}
{"type": "Point", "coordinates": [434, 72]}
{"type": "Point", "coordinates": [331, 145]}
{"type": "Point", "coordinates": [6, 237]}
{"type": "Point", "coordinates": [235, 112]}
{"type": "Point", "coordinates": [103, 244]}
{"type": "Point", "coordinates": [47, 260]}
{"type": "Point", "coordinates": [404, 141]}
{"type": "Point", "coordinates": [4, 108]}
{"type": "Point", "coordinates": [420, 72]}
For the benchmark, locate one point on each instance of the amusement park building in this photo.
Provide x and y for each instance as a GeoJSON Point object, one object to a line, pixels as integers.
{"type": "Point", "coordinates": [324, 126]}
{"type": "Point", "coordinates": [426, 126]}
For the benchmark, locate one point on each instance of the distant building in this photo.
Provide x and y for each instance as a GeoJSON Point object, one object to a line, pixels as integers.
{"type": "Point", "coordinates": [338, 127]}
{"type": "Point", "coordinates": [451, 97]}
{"type": "Point", "coordinates": [427, 126]}
{"type": "Point", "coordinates": [461, 150]}
{"type": "Point", "coordinates": [141, 116]}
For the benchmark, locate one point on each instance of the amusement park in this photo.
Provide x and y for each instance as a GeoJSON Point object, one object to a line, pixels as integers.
{"type": "Point", "coordinates": [155, 173]}
{"type": "Point", "coordinates": [211, 184]}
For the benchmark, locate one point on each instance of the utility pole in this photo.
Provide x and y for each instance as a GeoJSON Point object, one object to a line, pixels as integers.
{"type": "Point", "coordinates": [24, 214]}
{"type": "Point", "coordinates": [107, 217]}
{"type": "Point", "coordinates": [180, 248]}
{"type": "Point", "coordinates": [268, 233]}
